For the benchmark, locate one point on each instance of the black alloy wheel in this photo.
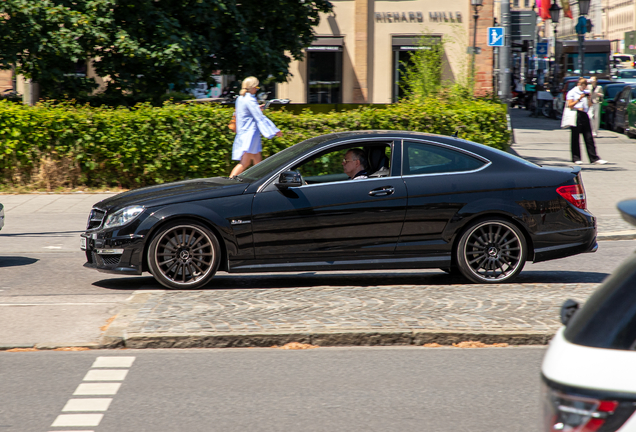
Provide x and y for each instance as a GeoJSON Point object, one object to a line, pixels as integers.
{"type": "Point", "coordinates": [184, 255]}
{"type": "Point", "coordinates": [492, 251]}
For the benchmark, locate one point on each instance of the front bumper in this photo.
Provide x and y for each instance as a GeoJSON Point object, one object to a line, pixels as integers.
{"type": "Point", "coordinates": [110, 253]}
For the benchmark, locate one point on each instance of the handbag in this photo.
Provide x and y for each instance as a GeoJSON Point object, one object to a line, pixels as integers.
{"type": "Point", "coordinates": [232, 124]}
{"type": "Point", "coordinates": [569, 118]}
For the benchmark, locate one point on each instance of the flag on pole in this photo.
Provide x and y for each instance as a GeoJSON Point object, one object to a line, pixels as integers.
{"type": "Point", "coordinates": [567, 11]}
{"type": "Point", "coordinates": [544, 9]}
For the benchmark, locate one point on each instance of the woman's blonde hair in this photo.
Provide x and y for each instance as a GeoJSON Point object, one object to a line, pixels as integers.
{"type": "Point", "coordinates": [248, 83]}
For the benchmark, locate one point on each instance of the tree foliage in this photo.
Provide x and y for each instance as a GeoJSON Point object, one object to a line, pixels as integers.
{"type": "Point", "coordinates": [142, 46]}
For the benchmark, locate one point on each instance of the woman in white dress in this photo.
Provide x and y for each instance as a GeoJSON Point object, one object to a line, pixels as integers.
{"type": "Point", "coordinates": [250, 124]}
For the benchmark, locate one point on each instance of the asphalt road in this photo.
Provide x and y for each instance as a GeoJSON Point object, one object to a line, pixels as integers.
{"type": "Point", "coordinates": [325, 389]}
{"type": "Point", "coordinates": [47, 296]}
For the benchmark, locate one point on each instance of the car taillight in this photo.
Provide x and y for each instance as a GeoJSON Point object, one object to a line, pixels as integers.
{"type": "Point", "coordinates": [572, 413]}
{"type": "Point", "coordinates": [574, 194]}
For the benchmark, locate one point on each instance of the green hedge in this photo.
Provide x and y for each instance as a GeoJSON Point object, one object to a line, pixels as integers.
{"type": "Point", "coordinates": [70, 145]}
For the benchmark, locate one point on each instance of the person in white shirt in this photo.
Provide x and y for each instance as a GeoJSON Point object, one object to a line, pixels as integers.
{"type": "Point", "coordinates": [596, 97]}
{"type": "Point", "coordinates": [579, 99]}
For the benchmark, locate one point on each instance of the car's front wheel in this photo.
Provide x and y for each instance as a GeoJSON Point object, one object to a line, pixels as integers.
{"type": "Point", "coordinates": [184, 255]}
{"type": "Point", "coordinates": [492, 251]}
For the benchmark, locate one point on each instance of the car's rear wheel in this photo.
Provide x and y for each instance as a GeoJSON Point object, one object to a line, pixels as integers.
{"type": "Point", "coordinates": [184, 255]}
{"type": "Point", "coordinates": [492, 251]}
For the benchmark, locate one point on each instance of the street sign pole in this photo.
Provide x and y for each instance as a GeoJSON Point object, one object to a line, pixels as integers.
{"type": "Point", "coordinates": [504, 53]}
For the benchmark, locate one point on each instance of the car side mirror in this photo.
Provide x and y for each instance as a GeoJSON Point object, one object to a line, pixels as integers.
{"type": "Point", "coordinates": [568, 310]}
{"type": "Point", "coordinates": [289, 179]}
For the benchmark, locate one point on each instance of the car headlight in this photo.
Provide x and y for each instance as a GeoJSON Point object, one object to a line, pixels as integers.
{"type": "Point", "coordinates": [123, 216]}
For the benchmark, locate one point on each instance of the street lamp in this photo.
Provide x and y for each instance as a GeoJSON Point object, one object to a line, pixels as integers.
{"type": "Point", "coordinates": [555, 11]}
{"type": "Point", "coordinates": [584, 8]}
{"type": "Point", "coordinates": [476, 4]}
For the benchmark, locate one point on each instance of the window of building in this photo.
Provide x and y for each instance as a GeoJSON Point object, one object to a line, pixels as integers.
{"type": "Point", "coordinates": [403, 48]}
{"type": "Point", "coordinates": [324, 70]}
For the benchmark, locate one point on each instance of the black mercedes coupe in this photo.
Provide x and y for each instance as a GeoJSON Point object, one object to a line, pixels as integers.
{"type": "Point", "coordinates": [429, 201]}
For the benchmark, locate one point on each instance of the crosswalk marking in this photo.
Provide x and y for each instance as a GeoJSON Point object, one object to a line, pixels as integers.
{"type": "Point", "coordinates": [97, 389]}
{"type": "Point", "coordinates": [113, 362]}
{"type": "Point", "coordinates": [106, 375]}
{"type": "Point", "coordinates": [77, 420]}
{"type": "Point", "coordinates": [90, 407]}
{"type": "Point", "coordinates": [93, 404]}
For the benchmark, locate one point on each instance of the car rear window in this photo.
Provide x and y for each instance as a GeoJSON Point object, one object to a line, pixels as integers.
{"type": "Point", "coordinates": [627, 74]}
{"type": "Point", "coordinates": [611, 91]}
{"type": "Point", "coordinates": [608, 318]}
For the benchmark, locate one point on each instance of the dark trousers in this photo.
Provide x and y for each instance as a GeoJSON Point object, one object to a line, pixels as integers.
{"type": "Point", "coordinates": [583, 127]}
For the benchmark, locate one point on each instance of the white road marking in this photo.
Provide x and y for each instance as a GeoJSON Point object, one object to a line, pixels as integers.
{"type": "Point", "coordinates": [93, 404]}
{"type": "Point", "coordinates": [106, 375]}
{"type": "Point", "coordinates": [52, 247]}
{"type": "Point", "coordinates": [56, 304]}
{"type": "Point", "coordinates": [113, 362]}
{"type": "Point", "coordinates": [97, 389]}
{"type": "Point", "coordinates": [77, 420]}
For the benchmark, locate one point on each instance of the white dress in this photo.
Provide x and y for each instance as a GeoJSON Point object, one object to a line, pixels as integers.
{"type": "Point", "coordinates": [250, 124]}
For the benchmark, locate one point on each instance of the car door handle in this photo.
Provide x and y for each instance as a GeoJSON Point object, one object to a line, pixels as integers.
{"type": "Point", "coordinates": [383, 191]}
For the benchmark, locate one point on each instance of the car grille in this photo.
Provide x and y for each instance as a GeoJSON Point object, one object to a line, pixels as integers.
{"type": "Point", "coordinates": [106, 260]}
{"type": "Point", "coordinates": [95, 219]}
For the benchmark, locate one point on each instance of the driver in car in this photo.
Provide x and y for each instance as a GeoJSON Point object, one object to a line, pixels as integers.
{"type": "Point", "coordinates": [355, 164]}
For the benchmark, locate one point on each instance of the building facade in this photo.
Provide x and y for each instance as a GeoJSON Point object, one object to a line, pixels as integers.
{"type": "Point", "coordinates": [360, 47]}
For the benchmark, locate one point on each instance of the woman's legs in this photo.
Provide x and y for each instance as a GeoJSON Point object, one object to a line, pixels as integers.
{"type": "Point", "coordinates": [245, 161]}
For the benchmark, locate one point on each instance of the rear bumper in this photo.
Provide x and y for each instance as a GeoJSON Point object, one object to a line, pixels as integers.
{"type": "Point", "coordinates": [565, 243]}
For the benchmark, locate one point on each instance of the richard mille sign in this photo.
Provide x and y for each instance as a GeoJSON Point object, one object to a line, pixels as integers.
{"type": "Point", "coordinates": [417, 17]}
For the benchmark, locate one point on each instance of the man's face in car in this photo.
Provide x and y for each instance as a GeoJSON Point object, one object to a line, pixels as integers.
{"type": "Point", "coordinates": [349, 166]}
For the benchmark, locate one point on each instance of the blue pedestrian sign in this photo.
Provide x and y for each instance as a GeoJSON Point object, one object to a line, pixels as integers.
{"type": "Point", "coordinates": [496, 36]}
{"type": "Point", "coordinates": [542, 49]}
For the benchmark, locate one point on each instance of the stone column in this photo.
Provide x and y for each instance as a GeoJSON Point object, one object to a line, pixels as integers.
{"type": "Point", "coordinates": [483, 61]}
{"type": "Point", "coordinates": [363, 44]}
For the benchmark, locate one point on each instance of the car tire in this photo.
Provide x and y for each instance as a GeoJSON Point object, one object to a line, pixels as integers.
{"type": "Point", "coordinates": [184, 255]}
{"type": "Point", "coordinates": [491, 251]}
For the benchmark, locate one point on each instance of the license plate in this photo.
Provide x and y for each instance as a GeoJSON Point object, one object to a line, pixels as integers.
{"type": "Point", "coordinates": [83, 243]}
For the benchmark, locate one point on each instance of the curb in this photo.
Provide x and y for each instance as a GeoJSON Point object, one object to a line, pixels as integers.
{"type": "Point", "coordinates": [617, 235]}
{"type": "Point", "coordinates": [390, 338]}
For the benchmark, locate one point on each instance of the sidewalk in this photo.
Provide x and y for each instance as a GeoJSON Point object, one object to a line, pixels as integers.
{"type": "Point", "coordinates": [542, 141]}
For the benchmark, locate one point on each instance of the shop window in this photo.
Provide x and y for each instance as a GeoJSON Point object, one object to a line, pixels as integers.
{"type": "Point", "coordinates": [325, 76]}
{"type": "Point", "coordinates": [403, 49]}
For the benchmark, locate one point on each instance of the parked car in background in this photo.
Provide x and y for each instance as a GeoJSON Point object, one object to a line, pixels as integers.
{"type": "Point", "coordinates": [622, 110]}
{"type": "Point", "coordinates": [608, 105]}
{"type": "Point", "coordinates": [622, 61]}
{"type": "Point", "coordinates": [429, 201]}
{"type": "Point", "coordinates": [626, 75]}
{"type": "Point", "coordinates": [588, 379]}
{"type": "Point", "coordinates": [1, 216]}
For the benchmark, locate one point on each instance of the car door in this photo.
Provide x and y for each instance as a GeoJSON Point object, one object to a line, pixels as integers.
{"type": "Point", "coordinates": [630, 110]}
{"type": "Point", "coordinates": [439, 180]}
{"type": "Point", "coordinates": [621, 106]}
{"type": "Point", "coordinates": [343, 220]}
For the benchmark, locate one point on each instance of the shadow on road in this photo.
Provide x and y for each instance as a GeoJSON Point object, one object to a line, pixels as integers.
{"type": "Point", "coordinates": [310, 279]}
{"type": "Point", "coordinates": [11, 261]}
{"type": "Point", "coordinates": [36, 234]}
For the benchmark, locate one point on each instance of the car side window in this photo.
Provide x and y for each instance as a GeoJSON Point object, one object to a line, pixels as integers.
{"type": "Point", "coordinates": [328, 167]}
{"type": "Point", "coordinates": [421, 158]}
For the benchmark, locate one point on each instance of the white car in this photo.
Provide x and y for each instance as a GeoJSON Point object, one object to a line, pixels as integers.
{"type": "Point", "coordinates": [626, 75]}
{"type": "Point", "coordinates": [589, 370]}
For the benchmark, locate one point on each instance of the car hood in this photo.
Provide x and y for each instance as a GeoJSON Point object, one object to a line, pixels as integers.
{"type": "Point", "coordinates": [173, 193]}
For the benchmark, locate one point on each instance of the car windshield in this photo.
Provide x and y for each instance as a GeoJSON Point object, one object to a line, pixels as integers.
{"type": "Point", "coordinates": [627, 74]}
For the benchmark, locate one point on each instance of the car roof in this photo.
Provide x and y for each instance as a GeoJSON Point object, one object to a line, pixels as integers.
{"type": "Point", "coordinates": [482, 150]}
